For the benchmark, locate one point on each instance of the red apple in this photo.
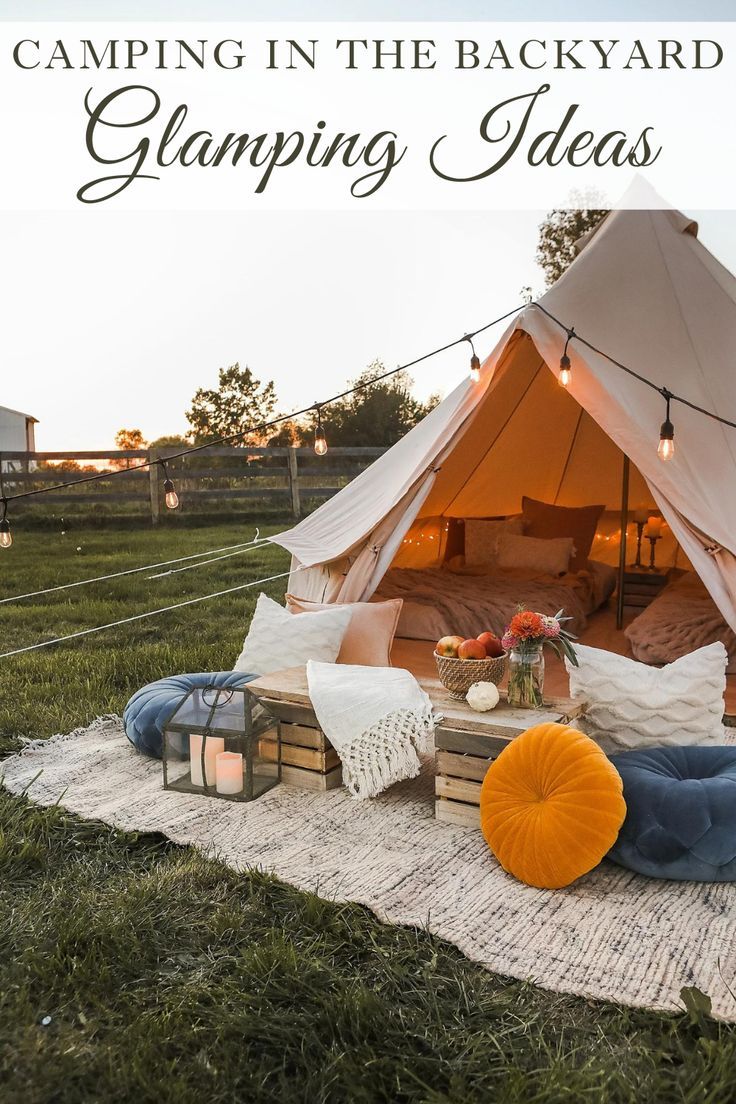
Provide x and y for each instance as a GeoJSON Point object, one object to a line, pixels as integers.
{"type": "Point", "coordinates": [471, 649]}
{"type": "Point", "coordinates": [448, 646]}
{"type": "Point", "coordinates": [492, 644]}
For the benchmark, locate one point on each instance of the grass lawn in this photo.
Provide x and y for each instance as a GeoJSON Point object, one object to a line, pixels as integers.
{"type": "Point", "coordinates": [135, 970]}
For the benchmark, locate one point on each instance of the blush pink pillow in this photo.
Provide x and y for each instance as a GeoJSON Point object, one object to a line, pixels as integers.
{"type": "Point", "coordinates": [370, 632]}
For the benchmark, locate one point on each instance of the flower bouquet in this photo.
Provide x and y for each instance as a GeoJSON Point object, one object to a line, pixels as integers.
{"type": "Point", "coordinates": [524, 640]}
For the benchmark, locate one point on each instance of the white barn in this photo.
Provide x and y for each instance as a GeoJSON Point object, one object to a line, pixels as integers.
{"type": "Point", "coordinates": [17, 434]}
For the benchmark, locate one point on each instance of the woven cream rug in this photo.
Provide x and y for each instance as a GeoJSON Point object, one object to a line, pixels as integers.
{"type": "Point", "coordinates": [613, 936]}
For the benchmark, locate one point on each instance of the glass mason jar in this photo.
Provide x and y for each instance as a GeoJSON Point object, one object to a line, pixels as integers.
{"type": "Point", "coordinates": [526, 677]}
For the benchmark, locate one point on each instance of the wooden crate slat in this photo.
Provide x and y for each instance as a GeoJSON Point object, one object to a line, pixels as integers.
{"type": "Point", "coordinates": [473, 743]}
{"type": "Point", "coordinates": [457, 765]}
{"type": "Point", "coordinates": [304, 736]}
{"type": "Point", "coordinates": [311, 779]}
{"type": "Point", "coordinates": [292, 712]}
{"type": "Point", "coordinates": [309, 758]}
{"type": "Point", "coordinates": [458, 789]}
{"type": "Point", "coordinates": [455, 812]}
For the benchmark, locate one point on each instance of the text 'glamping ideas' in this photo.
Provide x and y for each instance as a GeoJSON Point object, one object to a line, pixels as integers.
{"type": "Point", "coordinates": [154, 138]}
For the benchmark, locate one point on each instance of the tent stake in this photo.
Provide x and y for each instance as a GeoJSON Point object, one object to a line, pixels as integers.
{"type": "Point", "coordinates": [622, 545]}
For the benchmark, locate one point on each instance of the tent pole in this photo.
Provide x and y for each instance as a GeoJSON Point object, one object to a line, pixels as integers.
{"type": "Point", "coordinates": [622, 544]}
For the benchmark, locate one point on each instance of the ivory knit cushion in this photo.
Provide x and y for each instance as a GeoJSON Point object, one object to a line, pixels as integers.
{"type": "Point", "coordinates": [370, 633]}
{"type": "Point", "coordinates": [278, 639]}
{"type": "Point", "coordinates": [481, 538]}
{"type": "Point", "coordinates": [631, 705]}
{"type": "Point", "coordinates": [550, 557]}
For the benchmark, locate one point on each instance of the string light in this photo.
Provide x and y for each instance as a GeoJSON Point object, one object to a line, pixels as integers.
{"type": "Point", "coordinates": [171, 498]}
{"type": "Point", "coordinates": [565, 367]}
{"type": "Point", "coordinates": [666, 447]}
{"type": "Point", "coordinates": [320, 441]}
{"type": "Point", "coordinates": [474, 361]}
{"type": "Point", "coordinates": [6, 537]}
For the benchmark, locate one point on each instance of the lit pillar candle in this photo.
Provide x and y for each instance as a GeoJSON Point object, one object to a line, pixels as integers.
{"type": "Point", "coordinates": [229, 772]}
{"type": "Point", "coordinates": [654, 527]}
{"type": "Point", "coordinates": [212, 748]}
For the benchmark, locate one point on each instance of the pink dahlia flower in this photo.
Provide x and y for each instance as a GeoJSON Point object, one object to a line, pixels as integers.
{"type": "Point", "coordinates": [550, 627]}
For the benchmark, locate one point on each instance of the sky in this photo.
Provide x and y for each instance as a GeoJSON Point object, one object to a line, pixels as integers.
{"type": "Point", "coordinates": [115, 319]}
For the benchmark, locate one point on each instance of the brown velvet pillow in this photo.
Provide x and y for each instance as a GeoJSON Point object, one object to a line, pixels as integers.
{"type": "Point", "coordinates": [579, 522]}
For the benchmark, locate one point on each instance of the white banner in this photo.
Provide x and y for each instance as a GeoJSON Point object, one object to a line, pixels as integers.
{"type": "Point", "coordinates": [355, 116]}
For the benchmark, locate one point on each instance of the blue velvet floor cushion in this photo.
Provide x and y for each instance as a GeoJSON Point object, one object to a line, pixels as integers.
{"type": "Point", "coordinates": [150, 707]}
{"type": "Point", "coordinates": [681, 813]}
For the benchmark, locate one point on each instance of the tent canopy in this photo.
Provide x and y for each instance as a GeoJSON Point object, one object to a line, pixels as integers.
{"type": "Point", "coordinates": [644, 290]}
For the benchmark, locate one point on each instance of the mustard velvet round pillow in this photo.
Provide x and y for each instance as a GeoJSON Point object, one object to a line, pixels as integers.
{"type": "Point", "coordinates": [551, 806]}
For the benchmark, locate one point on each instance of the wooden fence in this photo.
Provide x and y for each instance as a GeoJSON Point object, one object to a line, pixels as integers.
{"type": "Point", "coordinates": [286, 477]}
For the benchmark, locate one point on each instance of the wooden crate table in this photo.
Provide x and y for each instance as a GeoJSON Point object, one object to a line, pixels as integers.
{"type": "Point", "coordinates": [467, 742]}
{"type": "Point", "coordinates": [641, 585]}
{"type": "Point", "coordinates": [308, 759]}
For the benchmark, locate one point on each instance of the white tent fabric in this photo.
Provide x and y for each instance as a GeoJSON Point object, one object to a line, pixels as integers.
{"type": "Point", "coordinates": [644, 290]}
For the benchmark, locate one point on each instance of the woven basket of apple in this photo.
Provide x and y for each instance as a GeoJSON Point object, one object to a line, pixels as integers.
{"type": "Point", "coordinates": [461, 663]}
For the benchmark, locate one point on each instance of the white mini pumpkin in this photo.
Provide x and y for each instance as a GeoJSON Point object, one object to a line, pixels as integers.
{"type": "Point", "coordinates": [482, 696]}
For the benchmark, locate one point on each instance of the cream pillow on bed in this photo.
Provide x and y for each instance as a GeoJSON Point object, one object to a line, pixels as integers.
{"type": "Point", "coordinates": [551, 557]}
{"type": "Point", "coordinates": [482, 535]}
{"type": "Point", "coordinates": [278, 639]}
{"type": "Point", "coordinates": [632, 705]}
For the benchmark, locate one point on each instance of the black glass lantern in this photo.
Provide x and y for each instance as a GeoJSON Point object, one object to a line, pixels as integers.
{"type": "Point", "coordinates": [222, 742]}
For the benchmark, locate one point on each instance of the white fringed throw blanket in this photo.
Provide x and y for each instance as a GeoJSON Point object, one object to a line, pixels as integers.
{"type": "Point", "coordinates": [376, 718]}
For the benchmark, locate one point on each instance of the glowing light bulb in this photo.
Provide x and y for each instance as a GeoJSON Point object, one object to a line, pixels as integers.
{"type": "Point", "coordinates": [474, 368]}
{"type": "Point", "coordinates": [565, 371]}
{"type": "Point", "coordinates": [6, 537]}
{"type": "Point", "coordinates": [320, 441]}
{"type": "Point", "coordinates": [171, 498]}
{"type": "Point", "coordinates": [666, 448]}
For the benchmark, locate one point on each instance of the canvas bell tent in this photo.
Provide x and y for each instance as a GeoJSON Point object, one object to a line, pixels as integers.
{"type": "Point", "coordinates": [643, 290]}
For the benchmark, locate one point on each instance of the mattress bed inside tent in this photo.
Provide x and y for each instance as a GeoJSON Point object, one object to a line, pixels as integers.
{"type": "Point", "coordinates": [683, 617]}
{"type": "Point", "coordinates": [440, 602]}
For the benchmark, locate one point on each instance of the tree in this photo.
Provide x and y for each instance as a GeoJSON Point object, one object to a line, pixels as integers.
{"type": "Point", "coordinates": [562, 228]}
{"type": "Point", "coordinates": [287, 434]}
{"type": "Point", "coordinates": [170, 442]}
{"type": "Point", "coordinates": [240, 401]}
{"type": "Point", "coordinates": [127, 440]}
{"type": "Point", "coordinates": [378, 415]}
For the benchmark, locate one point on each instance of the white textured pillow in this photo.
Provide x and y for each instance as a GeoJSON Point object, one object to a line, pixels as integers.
{"type": "Point", "coordinates": [481, 538]}
{"type": "Point", "coordinates": [278, 639]}
{"type": "Point", "coordinates": [631, 705]}
{"type": "Point", "coordinates": [552, 557]}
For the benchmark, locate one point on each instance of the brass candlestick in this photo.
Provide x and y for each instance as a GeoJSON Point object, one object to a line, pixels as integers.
{"type": "Point", "coordinates": [639, 533]}
{"type": "Point", "coordinates": [652, 541]}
